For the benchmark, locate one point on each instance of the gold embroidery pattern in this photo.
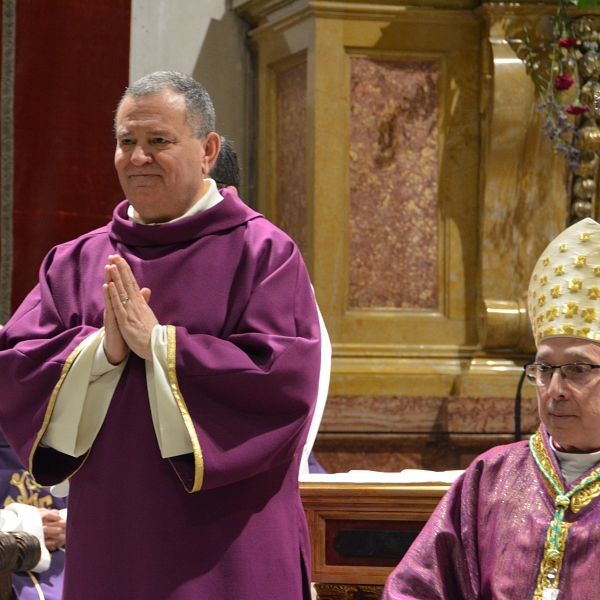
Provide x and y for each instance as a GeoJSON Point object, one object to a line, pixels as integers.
{"type": "Point", "coordinates": [594, 292]}
{"type": "Point", "coordinates": [585, 236]}
{"type": "Point", "coordinates": [589, 314]}
{"type": "Point", "coordinates": [558, 530]}
{"type": "Point", "coordinates": [567, 329]}
{"type": "Point", "coordinates": [548, 467]}
{"type": "Point", "coordinates": [584, 496]}
{"type": "Point", "coordinates": [556, 292]}
{"type": "Point", "coordinates": [550, 567]}
{"type": "Point", "coordinates": [187, 419]}
{"type": "Point", "coordinates": [580, 261]}
{"type": "Point", "coordinates": [570, 309]}
{"type": "Point", "coordinates": [29, 491]}
{"type": "Point", "coordinates": [584, 332]}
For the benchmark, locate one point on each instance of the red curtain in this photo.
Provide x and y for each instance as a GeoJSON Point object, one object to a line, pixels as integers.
{"type": "Point", "coordinates": [72, 66]}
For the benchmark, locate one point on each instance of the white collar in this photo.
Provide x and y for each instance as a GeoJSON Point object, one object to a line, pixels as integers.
{"type": "Point", "coordinates": [574, 465]}
{"type": "Point", "coordinates": [210, 198]}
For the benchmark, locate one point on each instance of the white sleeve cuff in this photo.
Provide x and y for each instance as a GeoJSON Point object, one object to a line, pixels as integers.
{"type": "Point", "coordinates": [26, 519]}
{"type": "Point", "coordinates": [81, 404]}
{"type": "Point", "coordinates": [171, 432]}
{"type": "Point", "coordinates": [100, 364]}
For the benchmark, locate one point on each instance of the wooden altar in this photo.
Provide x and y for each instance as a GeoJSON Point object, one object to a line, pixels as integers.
{"type": "Point", "coordinates": [359, 533]}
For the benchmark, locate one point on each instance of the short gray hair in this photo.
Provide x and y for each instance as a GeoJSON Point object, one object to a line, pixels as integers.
{"type": "Point", "coordinates": [199, 109]}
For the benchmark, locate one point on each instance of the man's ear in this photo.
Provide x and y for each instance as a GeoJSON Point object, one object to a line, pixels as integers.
{"type": "Point", "coordinates": [212, 147]}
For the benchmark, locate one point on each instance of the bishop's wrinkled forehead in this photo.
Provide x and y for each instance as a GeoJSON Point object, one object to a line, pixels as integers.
{"type": "Point", "coordinates": [564, 290]}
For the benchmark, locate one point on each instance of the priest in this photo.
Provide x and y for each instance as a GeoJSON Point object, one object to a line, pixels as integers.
{"type": "Point", "coordinates": [523, 521]}
{"type": "Point", "coordinates": [167, 366]}
{"type": "Point", "coordinates": [47, 514]}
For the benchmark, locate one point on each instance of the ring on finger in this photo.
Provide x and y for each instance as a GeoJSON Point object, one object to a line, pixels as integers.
{"type": "Point", "coordinates": [124, 302]}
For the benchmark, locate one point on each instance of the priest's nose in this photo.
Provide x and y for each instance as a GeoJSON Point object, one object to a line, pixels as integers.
{"type": "Point", "coordinates": [558, 386]}
{"type": "Point", "coordinates": [140, 156]}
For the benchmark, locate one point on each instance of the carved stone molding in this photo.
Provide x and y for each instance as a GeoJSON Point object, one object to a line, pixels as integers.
{"type": "Point", "coordinates": [505, 324]}
{"type": "Point", "coordinates": [342, 591]}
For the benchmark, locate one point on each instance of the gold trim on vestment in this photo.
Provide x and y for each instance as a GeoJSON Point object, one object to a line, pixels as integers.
{"type": "Point", "coordinates": [66, 367]}
{"type": "Point", "coordinates": [38, 587]}
{"type": "Point", "coordinates": [544, 458]}
{"type": "Point", "coordinates": [550, 567]}
{"type": "Point", "coordinates": [187, 419]}
{"type": "Point", "coordinates": [583, 497]}
{"type": "Point", "coordinates": [558, 530]}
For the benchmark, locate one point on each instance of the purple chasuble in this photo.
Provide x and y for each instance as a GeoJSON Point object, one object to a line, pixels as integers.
{"type": "Point", "coordinates": [245, 358]}
{"type": "Point", "coordinates": [486, 538]}
{"type": "Point", "coordinates": [17, 485]}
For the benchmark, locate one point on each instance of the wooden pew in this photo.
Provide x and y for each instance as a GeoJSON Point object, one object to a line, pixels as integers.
{"type": "Point", "coordinates": [359, 532]}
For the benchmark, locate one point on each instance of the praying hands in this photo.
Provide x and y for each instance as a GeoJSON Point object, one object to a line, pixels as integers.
{"type": "Point", "coordinates": [128, 319]}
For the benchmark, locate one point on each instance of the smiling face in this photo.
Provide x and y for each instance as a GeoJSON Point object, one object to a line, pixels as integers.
{"type": "Point", "coordinates": [570, 413]}
{"type": "Point", "coordinates": [161, 165]}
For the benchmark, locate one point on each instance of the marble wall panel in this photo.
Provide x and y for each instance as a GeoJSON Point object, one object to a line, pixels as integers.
{"type": "Point", "coordinates": [490, 415]}
{"type": "Point", "coordinates": [383, 414]}
{"type": "Point", "coordinates": [402, 414]}
{"type": "Point", "coordinates": [291, 90]}
{"type": "Point", "coordinates": [340, 453]}
{"type": "Point", "coordinates": [394, 147]}
{"type": "Point", "coordinates": [386, 462]}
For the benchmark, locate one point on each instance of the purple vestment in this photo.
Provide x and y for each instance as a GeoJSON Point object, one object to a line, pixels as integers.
{"type": "Point", "coordinates": [246, 359]}
{"type": "Point", "coordinates": [486, 538]}
{"type": "Point", "coordinates": [17, 485]}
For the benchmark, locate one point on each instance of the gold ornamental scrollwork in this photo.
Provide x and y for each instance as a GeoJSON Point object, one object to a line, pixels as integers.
{"type": "Point", "coordinates": [548, 468]}
{"type": "Point", "coordinates": [342, 591]}
{"type": "Point", "coordinates": [582, 498]}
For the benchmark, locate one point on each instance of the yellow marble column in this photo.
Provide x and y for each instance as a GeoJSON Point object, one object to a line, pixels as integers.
{"type": "Point", "coordinates": [400, 146]}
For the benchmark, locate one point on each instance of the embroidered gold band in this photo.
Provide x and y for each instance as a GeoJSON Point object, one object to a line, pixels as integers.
{"type": "Point", "coordinates": [187, 419]}
{"type": "Point", "coordinates": [575, 499]}
{"type": "Point", "coordinates": [66, 367]}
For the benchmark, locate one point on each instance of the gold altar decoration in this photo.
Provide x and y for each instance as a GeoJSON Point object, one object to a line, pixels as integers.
{"type": "Point", "coordinates": [399, 145]}
{"type": "Point", "coordinates": [564, 63]}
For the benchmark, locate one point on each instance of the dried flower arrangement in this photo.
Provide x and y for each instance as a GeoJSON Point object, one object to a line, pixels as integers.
{"type": "Point", "coordinates": [568, 86]}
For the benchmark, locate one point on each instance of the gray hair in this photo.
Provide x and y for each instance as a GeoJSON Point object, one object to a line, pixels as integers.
{"type": "Point", "coordinates": [199, 109]}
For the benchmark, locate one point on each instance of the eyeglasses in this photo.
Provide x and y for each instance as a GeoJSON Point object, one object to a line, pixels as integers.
{"type": "Point", "coordinates": [576, 374]}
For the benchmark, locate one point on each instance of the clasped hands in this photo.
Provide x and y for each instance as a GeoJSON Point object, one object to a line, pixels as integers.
{"type": "Point", "coordinates": [128, 319]}
{"type": "Point", "coordinates": [54, 528]}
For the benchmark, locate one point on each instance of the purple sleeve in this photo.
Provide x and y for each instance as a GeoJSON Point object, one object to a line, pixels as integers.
{"type": "Point", "coordinates": [442, 562]}
{"type": "Point", "coordinates": [251, 395]}
{"type": "Point", "coordinates": [34, 348]}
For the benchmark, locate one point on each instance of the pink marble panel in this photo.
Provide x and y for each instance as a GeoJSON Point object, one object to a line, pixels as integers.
{"type": "Point", "coordinates": [383, 414]}
{"type": "Point", "coordinates": [407, 414]}
{"type": "Point", "coordinates": [291, 153]}
{"type": "Point", "coordinates": [393, 452]}
{"type": "Point", "coordinates": [394, 145]}
{"type": "Point", "coordinates": [386, 462]}
{"type": "Point", "coordinates": [490, 415]}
